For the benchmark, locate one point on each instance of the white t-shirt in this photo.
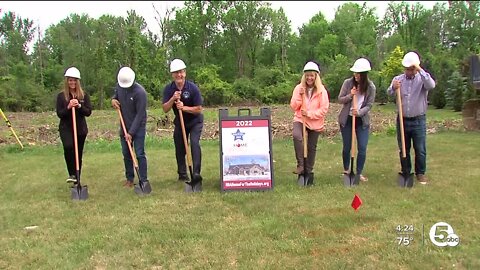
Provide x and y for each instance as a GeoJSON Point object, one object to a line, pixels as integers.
{"type": "Point", "coordinates": [360, 99]}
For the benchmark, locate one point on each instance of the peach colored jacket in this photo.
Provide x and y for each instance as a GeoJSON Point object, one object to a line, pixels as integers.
{"type": "Point", "coordinates": [316, 107]}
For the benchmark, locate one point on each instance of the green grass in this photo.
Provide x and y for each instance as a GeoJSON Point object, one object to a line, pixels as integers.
{"type": "Point", "coordinates": [287, 228]}
{"type": "Point", "coordinates": [433, 114]}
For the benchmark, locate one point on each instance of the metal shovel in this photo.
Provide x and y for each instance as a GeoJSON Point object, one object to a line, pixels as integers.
{"type": "Point", "coordinates": [195, 183]}
{"type": "Point", "coordinates": [350, 179]}
{"type": "Point", "coordinates": [305, 178]}
{"type": "Point", "coordinates": [77, 191]}
{"type": "Point", "coordinates": [405, 178]}
{"type": "Point", "coordinates": [143, 187]}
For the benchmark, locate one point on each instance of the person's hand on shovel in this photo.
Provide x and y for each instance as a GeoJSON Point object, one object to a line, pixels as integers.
{"type": "Point", "coordinates": [396, 85]}
{"type": "Point", "coordinates": [115, 104]}
{"type": "Point", "coordinates": [73, 103]}
{"type": "Point", "coordinates": [304, 113]}
{"type": "Point", "coordinates": [179, 105]}
{"type": "Point", "coordinates": [128, 138]}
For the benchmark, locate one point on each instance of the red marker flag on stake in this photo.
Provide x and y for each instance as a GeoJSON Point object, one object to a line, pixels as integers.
{"type": "Point", "coordinates": [356, 202]}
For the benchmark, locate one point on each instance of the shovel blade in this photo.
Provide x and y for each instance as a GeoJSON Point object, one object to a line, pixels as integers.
{"type": "Point", "coordinates": [193, 187]}
{"type": "Point", "coordinates": [79, 193]}
{"type": "Point", "coordinates": [305, 179]}
{"type": "Point", "coordinates": [405, 180]}
{"type": "Point", "coordinates": [142, 188]}
{"type": "Point", "coordinates": [350, 179]}
{"type": "Point", "coordinates": [301, 180]}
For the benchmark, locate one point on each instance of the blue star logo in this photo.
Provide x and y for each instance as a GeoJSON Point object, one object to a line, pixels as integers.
{"type": "Point", "coordinates": [238, 135]}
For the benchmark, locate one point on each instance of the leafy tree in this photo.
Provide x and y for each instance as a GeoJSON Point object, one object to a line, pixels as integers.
{"type": "Point", "coordinates": [336, 73]}
{"type": "Point", "coordinates": [456, 88]}
{"type": "Point", "coordinates": [390, 68]}
{"type": "Point", "coordinates": [355, 29]}
{"type": "Point", "coordinates": [245, 26]}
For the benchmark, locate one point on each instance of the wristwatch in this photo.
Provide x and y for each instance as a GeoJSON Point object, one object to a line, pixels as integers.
{"type": "Point", "coordinates": [79, 105]}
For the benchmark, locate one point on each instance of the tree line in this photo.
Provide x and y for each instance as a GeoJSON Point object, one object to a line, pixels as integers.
{"type": "Point", "coordinates": [237, 51]}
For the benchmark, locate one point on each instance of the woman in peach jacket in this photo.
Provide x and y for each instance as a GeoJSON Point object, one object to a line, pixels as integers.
{"type": "Point", "coordinates": [310, 104]}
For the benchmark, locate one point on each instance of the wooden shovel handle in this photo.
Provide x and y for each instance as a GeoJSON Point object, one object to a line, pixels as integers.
{"type": "Point", "coordinates": [184, 135]}
{"type": "Point", "coordinates": [304, 129]}
{"type": "Point", "coordinates": [354, 106]}
{"type": "Point", "coordinates": [75, 141]}
{"type": "Point", "coordinates": [11, 128]}
{"type": "Point", "coordinates": [400, 118]}
{"type": "Point", "coordinates": [132, 153]}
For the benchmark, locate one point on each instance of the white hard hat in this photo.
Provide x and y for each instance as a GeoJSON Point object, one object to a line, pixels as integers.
{"type": "Point", "coordinates": [410, 59]}
{"type": "Point", "coordinates": [361, 65]}
{"type": "Point", "coordinates": [125, 77]}
{"type": "Point", "coordinates": [311, 66]}
{"type": "Point", "coordinates": [72, 72]}
{"type": "Point", "coordinates": [177, 65]}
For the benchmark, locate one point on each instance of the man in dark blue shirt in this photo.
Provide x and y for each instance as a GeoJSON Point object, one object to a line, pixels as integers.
{"type": "Point", "coordinates": [131, 98]}
{"type": "Point", "coordinates": [184, 95]}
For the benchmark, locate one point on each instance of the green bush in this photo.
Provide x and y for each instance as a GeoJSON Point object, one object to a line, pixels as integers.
{"type": "Point", "coordinates": [213, 89]}
{"type": "Point", "coordinates": [265, 76]}
{"type": "Point", "coordinates": [246, 89]}
{"type": "Point", "coordinates": [456, 88]}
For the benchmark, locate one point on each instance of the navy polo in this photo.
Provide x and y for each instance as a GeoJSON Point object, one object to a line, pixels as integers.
{"type": "Point", "coordinates": [190, 97]}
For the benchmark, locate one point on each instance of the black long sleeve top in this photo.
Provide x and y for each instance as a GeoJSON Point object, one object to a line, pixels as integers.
{"type": "Point", "coordinates": [65, 114]}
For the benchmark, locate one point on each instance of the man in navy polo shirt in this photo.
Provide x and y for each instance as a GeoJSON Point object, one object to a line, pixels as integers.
{"type": "Point", "coordinates": [184, 95]}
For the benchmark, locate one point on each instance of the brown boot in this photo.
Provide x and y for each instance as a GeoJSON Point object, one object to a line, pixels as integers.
{"type": "Point", "coordinates": [128, 184]}
{"type": "Point", "coordinates": [422, 179]}
{"type": "Point", "coordinates": [298, 170]}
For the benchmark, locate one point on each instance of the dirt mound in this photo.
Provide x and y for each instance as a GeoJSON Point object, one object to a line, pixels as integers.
{"type": "Point", "coordinates": [42, 128]}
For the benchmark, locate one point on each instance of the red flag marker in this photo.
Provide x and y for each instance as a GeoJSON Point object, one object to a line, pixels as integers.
{"type": "Point", "coordinates": [356, 202]}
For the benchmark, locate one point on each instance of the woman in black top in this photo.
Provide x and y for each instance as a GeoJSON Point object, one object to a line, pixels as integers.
{"type": "Point", "coordinates": [73, 96]}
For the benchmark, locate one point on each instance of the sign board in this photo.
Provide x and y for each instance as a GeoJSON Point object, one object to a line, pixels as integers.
{"type": "Point", "coordinates": [245, 151]}
{"type": "Point", "coordinates": [475, 71]}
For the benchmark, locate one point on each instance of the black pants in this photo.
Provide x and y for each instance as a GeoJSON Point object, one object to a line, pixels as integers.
{"type": "Point", "coordinates": [194, 132]}
{"type": "Point", "coordinates": [69, 150]}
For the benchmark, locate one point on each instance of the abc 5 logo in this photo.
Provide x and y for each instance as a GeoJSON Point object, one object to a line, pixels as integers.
{"type": "Point", "coordinates": [442, 235]}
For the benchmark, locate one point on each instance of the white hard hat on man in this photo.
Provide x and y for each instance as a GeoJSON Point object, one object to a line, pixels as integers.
{"type": "Point", "coordinates": [177, 65]}
{"type": "Point", "coordinates": [126, 77]}
{"type": "Point", "coordinates": [410, 59]}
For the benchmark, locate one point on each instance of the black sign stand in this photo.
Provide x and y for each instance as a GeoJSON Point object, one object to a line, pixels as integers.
{"type": "Point", "coordinates": [246, 162]}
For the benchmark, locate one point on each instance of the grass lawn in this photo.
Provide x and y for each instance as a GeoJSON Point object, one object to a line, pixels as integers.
{"type": "Point", "coordinates": [287, 228]}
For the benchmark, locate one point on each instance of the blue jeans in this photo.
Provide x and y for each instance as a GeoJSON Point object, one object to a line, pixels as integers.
{"type": "Point", "coordinates": [361, 141]}
{"type": "Point", "coordinates": [138, 141]}
{"type": "Point", "coordinates": [415, 130]}
{"type": "Point", "coordinates": [194, 131]}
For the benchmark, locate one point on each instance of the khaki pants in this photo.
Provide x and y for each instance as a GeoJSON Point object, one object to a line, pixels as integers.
{"type": "Point", "coordinates": [312, 139]}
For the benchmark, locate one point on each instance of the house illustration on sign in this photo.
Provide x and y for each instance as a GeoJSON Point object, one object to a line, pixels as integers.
{"type": "Point", "coordinates": [246, 169]}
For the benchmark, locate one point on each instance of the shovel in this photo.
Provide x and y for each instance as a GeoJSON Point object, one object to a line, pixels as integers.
{"type": "Point", "coordinates": [195, 184]}
{"type": "Point", "coordinates": [405, 179]}
{"type": "Point", "coordinates": [78, 192]}
{"type": "Point", "coordinates": [143, 187]}
{"type": "Point", "coordinates": [305, 178]}
{"type": "Point", "coordinates": [11, 128]}
{"type": "Point", "coordinates": [350, 179]}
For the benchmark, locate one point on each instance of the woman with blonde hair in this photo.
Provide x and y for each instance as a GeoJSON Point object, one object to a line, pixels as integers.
{"type": "Point", "coordinates": [73, 96]}
{"type": "Point", "coordinates": [310, 103]}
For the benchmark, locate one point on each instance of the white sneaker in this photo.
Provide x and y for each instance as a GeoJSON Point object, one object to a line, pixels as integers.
{"type": "Point", "coordinates": [72, 179]}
